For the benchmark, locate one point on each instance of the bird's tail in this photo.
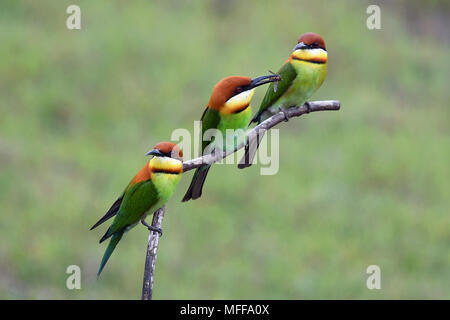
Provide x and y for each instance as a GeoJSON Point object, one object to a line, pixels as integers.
{"type": "Point", "coordinates": [250, 152]}
{"type": "Point", "coordinates": [111, 246]}
{"type": "Point", "coordinates": [196, 186]}
{"type": "Point", "coordinates": [256, 118]}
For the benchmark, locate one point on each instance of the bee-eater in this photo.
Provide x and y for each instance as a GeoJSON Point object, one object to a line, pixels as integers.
{"type": "Point", "coordinates": [228, 108]}
{"type": "Point", "coordinates": [301, 75]}
{"type": "Point", "coordinates": [149, 190]}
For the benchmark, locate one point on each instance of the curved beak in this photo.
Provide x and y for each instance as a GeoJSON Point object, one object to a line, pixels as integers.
{"type": "Point", "coordinates": [263, 80]}
{"type": "Point", "coordinates": [155, 152]}
{"type": "Point", "coordinates": [300, 45]}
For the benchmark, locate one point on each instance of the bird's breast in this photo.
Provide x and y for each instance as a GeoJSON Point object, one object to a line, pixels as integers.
{"type": "Point", "coordinates": [165, 174]}
{"type": "Point", "coordinates": [165, 184]}
{"type": "Point", "coordinates": [237, 120]}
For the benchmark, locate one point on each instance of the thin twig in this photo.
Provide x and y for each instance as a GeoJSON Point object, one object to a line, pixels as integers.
{"type": "Point", "coordinates": [152, 251]}
{"type": "Point", "coordinates": [258, 131]}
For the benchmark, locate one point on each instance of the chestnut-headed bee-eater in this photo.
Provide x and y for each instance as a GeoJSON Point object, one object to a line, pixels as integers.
{"type": "Point", "coordinates": [228, 108]}
{"type": "Point", "coordinates": [301, 75]}
{"type": "Point", "coordinates": [149, 190]}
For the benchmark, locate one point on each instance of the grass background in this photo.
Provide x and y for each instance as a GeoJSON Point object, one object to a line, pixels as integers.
{"type": "Point", "coordinates": [366, 185]}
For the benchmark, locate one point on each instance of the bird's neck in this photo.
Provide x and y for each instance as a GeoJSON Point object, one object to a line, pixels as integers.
{"type": "Point", "coordinates": [165, 165]}
{"type": "Point", "coordinates": [165, 174]}
{"type": "Point", "coordinates": [237, 103]}
{"type": "Point", "coordinates": [316, 56]}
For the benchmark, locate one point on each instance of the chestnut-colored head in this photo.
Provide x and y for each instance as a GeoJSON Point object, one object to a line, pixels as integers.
{"type": "Point", "coordinates": [312, 40]}
{"type": "Point", "coordinates": [167, 149]}
{"type": "Point", "coordinates": [226, 89]}
{"type": "Point", "coordinates": [233, 94]}
{"type": "Point", "coordinates": [310, 48]}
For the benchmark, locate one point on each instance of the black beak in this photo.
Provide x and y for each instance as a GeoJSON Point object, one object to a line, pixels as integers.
{"type": "Point", "coordinates": [155, 152]}
{"type": "Point", "coordinates": [300, 45]}
{"type": "Point", "coordinates": [263, 80]}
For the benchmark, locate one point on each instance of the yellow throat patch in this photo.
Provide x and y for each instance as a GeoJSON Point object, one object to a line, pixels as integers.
{"type": "Point", "coordinates": [165, 165]}
{"type": "Point", "coordinates": [238, 103]}
{"type": "Point", "coordinates": [310, 55]}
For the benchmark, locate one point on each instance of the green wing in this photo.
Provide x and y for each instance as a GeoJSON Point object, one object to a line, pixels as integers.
{"type": "Point", "coordinates": [288, 74]}
{"type": "Point", "coordinates": [113, 210]}
{"type": "Point", "coordinates": [210, 119]}
{"type": "Point", "coordinates": [138, 198]}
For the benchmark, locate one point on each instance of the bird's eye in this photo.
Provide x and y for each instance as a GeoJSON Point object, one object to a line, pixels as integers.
{"type": "Point", "coordinates": [238, 90]}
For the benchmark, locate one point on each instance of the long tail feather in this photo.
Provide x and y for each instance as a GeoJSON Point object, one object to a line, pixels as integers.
{"type": "Point", "coordinates": [107, 234]}
{"type": "Point", "coordinates": [111, 246]}
{"type": "Point", "coordinates": [250, 152]}
{"type": "Point", "coordinates": [256, 118]}
{"type": "Point", "coordinates": [111, 212]}
{"type": "Point", "coordinates": [198, 180]}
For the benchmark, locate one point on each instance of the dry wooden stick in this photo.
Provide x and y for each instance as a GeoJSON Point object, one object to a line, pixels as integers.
{"type": "Point", "coordinates": [152, 251]}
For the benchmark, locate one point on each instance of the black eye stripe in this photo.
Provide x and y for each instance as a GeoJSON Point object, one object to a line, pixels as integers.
{"type": "Point", "coordinates": [167, 154]}
{"type": "Point", "coordinates": [237, 91]}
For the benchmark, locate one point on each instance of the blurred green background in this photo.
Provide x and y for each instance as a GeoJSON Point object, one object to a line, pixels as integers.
{"type": "Point", "coordinates": [367, 185]}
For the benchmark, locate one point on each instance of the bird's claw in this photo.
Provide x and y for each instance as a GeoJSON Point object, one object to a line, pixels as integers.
{"type": "Point", "coordinates": [286, 117]}
{"type": "Point", "coordinates": [159, 230]}
{"type": "Point", "coordinates": [308, 107]}
{"type": "Point", "coordinates": [152, 228]}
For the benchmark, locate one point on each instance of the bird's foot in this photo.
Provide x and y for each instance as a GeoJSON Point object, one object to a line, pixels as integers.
{"type": "Point", "coordinates": [308, 107]}
{"type": "Point", "coordinates": [152, 228]}
{"type": "Point", "coordinates": [286, 117]}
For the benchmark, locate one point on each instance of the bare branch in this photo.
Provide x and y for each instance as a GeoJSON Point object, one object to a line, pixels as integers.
{"type": "Point", "coordinates": [152, 251]}
{"type": "Point", "coordinates": [258, 131]}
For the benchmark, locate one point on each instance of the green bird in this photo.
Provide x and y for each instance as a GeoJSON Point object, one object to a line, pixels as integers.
{"type": "Point", "coordinates": [301, 75]}
{"type": "Point", "coordinates": [149, 190]}
{"type": "Point", "coordinates": [228, 108]}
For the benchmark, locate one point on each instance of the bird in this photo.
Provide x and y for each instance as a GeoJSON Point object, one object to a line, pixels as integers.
{"type": "Point", "coordinates": [147, 192]}
{"type": "Point", "coordinates": [228, 108]}
{"type": "Point", "coordinates": [301, 75]}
